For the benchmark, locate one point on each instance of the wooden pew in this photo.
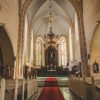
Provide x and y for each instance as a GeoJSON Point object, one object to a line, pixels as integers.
{"type": "Point", "coordinates": [77, 87]}
{"type": "Point", "coordinates": [88, 89]}
{"type": "Point", "coordinates": [96, 87]}
{"type": "Point", "coordinates": [17, 89]}
{"type": "Point", "coordinates": [82, 88]}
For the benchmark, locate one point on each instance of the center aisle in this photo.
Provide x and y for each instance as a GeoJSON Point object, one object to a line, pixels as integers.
{"type": "Point", "coordinates": [51, 90]}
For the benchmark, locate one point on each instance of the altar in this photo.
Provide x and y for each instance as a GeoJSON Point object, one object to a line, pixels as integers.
{"type": "Point", "coordinates": [51, 72]}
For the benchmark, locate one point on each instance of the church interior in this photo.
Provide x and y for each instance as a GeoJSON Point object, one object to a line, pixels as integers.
{"type": "Point", "coordinates": [49, 49]}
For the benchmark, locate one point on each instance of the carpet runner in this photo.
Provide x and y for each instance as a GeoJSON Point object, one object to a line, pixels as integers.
{"type": "Point", "coordinates": [51, 90]}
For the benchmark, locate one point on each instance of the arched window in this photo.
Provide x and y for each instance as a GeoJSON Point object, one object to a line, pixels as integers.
{"type": "Point", "coordinates": [38, 51]}
{"type": "Point", "coordinates": [63, 51]}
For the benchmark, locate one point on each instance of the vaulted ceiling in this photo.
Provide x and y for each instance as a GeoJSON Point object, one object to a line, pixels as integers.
{"type": "Point", "coordinates": [62, 16]}
{"type": "Point", "coordinates": [9, 15]}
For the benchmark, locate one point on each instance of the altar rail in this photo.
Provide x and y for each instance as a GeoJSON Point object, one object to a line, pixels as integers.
{"type": "Point", "coordinates": [18, 89]}
{"type": "Point", "coordinates": [86, 90]}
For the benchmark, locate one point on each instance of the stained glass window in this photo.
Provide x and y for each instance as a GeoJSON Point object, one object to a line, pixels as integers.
{"type": "Point", "coordinates": [63, 51]}
{"type": "Point", "coordinates": [38, 51]}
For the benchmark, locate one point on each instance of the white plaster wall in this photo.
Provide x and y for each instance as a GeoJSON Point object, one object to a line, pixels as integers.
{"type": "Point", "coordinates": [9, 17]}
{"type": "Point", "coordinates": [76, 40]}
{"type": "Point", "coordinates": [95, 46]}
{"type": "Point", "coordinates": [91, 14]}
{"type": "Point", "coordinates": [25, 47]}
{"type": "Point", "coordinates": [71, 45]}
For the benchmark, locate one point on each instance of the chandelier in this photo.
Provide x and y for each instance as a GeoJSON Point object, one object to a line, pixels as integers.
{"type": "Point", "coordinates": [50, 37]}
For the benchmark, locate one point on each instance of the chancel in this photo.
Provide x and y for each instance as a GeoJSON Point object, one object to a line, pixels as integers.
{"type": "Point", "coordinates": [49, 49]}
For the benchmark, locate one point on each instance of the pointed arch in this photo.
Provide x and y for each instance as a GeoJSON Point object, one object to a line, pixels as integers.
{"type": "Point", "coordinates": [6, 47]}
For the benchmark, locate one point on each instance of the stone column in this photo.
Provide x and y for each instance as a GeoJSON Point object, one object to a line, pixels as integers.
{"type": "Point", "coordinates": [31, 49]}
{"type": "Point", "coordinates": [67, 45]}
{"type": "Point", "coordinates": [34, 48]}
{"type": "Point", "coordinates": [71, 46]}
{"type": "Point", "coordinates": [83, 47]}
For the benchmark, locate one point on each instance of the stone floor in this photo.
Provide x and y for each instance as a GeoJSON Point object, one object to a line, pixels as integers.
{"type": "Point", "coordinates": [62, 81]}
{"type": "Point", "coordinates": [64, 88]}
{"type": "Point", "coordinates": [67, 94]}
{"type": "Point", "coordinates": [65, 91]}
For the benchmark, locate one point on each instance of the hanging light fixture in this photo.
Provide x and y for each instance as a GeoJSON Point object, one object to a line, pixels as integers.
{"type": "Point", "coordinates": [50, 37]}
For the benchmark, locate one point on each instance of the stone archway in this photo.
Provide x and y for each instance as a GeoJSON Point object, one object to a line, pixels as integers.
{"type": "Point", "coordinates": [6, 54]}
{"type": "Point", "coordinates": [77, 4]}
{"type": "Point", "coordinates": [95, 46]}
{"type": "Point", "coordinates": [6, 48]}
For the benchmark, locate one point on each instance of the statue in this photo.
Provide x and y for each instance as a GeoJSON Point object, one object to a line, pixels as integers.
{"type": "Point", "coordinates": [96, 67]}
{"type": "Point", "coordinates": [51, 57]}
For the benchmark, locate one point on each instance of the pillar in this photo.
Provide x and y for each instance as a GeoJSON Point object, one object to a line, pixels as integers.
{"type": "Point", "coordinates": [83, 46]}
{"type": "Point", "coordinates": [34, 49]}
{"type": "Point", "coordinates": [31, 49]}
{"type": "Point", "coordinates": [71, 46]}
{"type": "Point", "coordinates": [67, 45]}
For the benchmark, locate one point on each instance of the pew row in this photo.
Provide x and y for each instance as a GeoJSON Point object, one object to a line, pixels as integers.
{"type": "Point", "coordinates": [18, 89]}
{"type": "Point", "coordinates": [85, 90]}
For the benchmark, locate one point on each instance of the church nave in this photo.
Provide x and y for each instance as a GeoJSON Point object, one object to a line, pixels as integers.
{"type": "Point", "coordinates": [50, 49]}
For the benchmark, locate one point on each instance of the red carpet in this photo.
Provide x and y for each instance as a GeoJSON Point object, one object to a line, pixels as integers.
{"type": "Point", "coordinates": [51, 91]}
{"type": "Point", "coordinates": [51, 82]}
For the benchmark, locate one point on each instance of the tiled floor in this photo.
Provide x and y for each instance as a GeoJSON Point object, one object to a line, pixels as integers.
{"type": "Point", "coordinates": [65, 91]}
{"type": "Point", "coordinates": [64, 88]}
{"type": "Point", "coordinates": [36, 95]}
{"type": "Point", "coordinates": [67, 94]}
